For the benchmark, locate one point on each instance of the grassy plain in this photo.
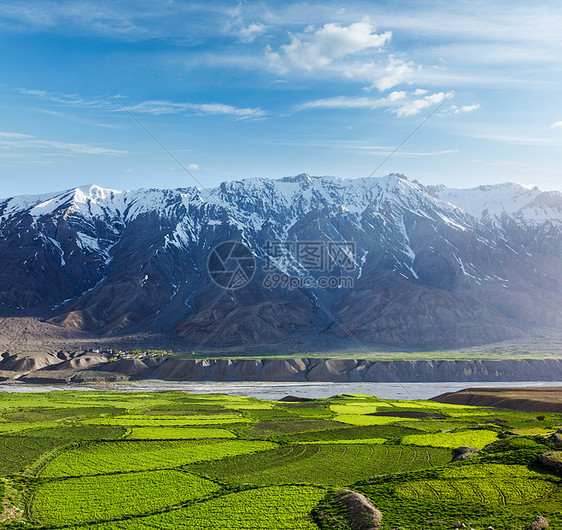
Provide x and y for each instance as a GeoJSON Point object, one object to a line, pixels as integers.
{"type": "Point", "coordinates": [172, 460]}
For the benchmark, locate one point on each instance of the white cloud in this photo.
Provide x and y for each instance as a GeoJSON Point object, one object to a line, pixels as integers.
{"type": "Point", "coordinates": [465, 108]}
{"type": "Point", "coordinates": [340, 102]}
{"type": "Point", "coordinates": [250, 32]}
{"type": "Point", "coordinates": [238, 26]}
{"type": "Point", "coordinates": [389, 151]}
{"type": "Point", "coordinates": [398, 102]}
{"type": "Point", "coordinates": [193, 167]}
{"type": "Point", "coordinates": [516, 139]}
{"type": "Point", "coordinates": [13, 135]}
{"type": "Point", "coordinates": [381, 150]}
{"type": "Point", "coordinates": [318, 49]}
{"type": "Point", "coordinates": [415, 107]}
{"type": "Point", "coordinates": [506, 163]}
{"type": "Point", "coordinates": [354, 52]}
{"type": "Point", "coordinates": [151, 106]}
{"type": "Point", "coordinates": [394, 73]}
{"type": "Point", "coordinates": [556, 125]}
{"type": "Point", "coordinates": [345, 102]}
{"type": "Point", "coordinates": [75, 148]}
{"type": "Point", "coordinates": [397, 95]}
{"type": "Point", "coordinates": [218, 109]}
{"type": "Point", "coordinates": [343, 51]}
{"type": "Point", "coordinates": [69, 99]}
{"type": "Point", "coordinates": [420, 92]}
{"type": "Point", "coordinates": [24, 141]}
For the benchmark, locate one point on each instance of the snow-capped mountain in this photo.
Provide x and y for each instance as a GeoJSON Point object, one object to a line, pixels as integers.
{"type": "Point", "coordinates": [428, 266]}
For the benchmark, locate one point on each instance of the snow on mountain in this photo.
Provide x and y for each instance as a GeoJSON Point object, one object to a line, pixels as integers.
{"type": "Point", "coordinates": [110, 260]}
{"type": "Point", "coordinates": [492, 202]}
{"type": "Point", "coordinates": [253, 202]}
{"type": "Point", "coordinates": [259, 206]}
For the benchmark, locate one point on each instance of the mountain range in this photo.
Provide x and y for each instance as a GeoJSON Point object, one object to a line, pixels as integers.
{"type": "Point", "coordinates": [425, 266]}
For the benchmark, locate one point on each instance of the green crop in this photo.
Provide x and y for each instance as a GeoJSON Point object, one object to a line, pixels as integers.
{"type": "Point", "coordinates": [122, 456]}
{"type": "Point", "coordinates": [270, 428]}
{"type": "Point", "coordinates": [178, 433]}
{"type": "Point", "coordinates": [18, 452]}
{"type": "Point", "coordinates": [278, 507]}
{"type": "Point", "coordinates": [118, 460]}
{"type": "Point", "coordinates": [324, 464]}
{"type": "Point", "coordinates": [473, 438]}
{"type": "Point", "coordinates": [168, 421]}
{"type": "Point", "coordinates": [357, 419]}
{"type": "Point", "coordinates": [114, 496]}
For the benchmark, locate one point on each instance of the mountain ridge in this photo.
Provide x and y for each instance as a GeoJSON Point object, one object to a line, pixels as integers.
{"type": "Point", "coordinates": [433, 266]}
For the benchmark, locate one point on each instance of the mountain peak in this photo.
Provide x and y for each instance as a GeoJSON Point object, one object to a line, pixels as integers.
{"type": "Point", "coordinates": [301, 177]}
{"type": "Point", "coordinates": [431, 266]}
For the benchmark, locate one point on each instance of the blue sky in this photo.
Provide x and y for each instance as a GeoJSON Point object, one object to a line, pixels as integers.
{"type": "Point", "coordinates": [247, 89]}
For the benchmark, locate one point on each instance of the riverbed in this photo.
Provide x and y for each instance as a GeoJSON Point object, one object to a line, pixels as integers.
{"type": "Point", "coordinates": [274, 391]}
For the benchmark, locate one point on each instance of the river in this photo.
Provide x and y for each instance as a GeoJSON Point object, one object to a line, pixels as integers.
{"type": "Point", "coordinates": [274, 391]}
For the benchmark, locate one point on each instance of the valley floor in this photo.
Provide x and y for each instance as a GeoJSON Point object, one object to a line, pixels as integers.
{"type": "Point", "coordinates": [175, 460]}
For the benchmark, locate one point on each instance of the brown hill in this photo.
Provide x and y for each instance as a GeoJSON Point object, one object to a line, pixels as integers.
{"type": "Point", "coordinates": [540, 399]}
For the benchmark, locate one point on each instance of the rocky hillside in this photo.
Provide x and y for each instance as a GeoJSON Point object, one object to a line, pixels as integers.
{"type": "Point", "coordinates": [431, 267]}
{"type": "Point", "coordinates": [97, 368]}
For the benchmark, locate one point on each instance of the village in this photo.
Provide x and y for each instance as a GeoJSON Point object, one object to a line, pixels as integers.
{"type": "Point", "coordinates": [116, 355]}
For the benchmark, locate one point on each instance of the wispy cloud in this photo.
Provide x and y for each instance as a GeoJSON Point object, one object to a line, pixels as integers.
{"type": "Point", "coordinates": [250, 32]}
{"type": "Point", "coordinates": [69, 99]}
{"type": "Point", "coordinates": [399, 102]}
{"type": "Point", "coordinates": [13, 140]}
{"type": "Point", "coordinates": [415, 107]}
{"type": "Point", "coordinates": [460, 33]}
{"type": "Point", "coordinates": [556, 125]}
{"type": "Point", "coordinates": [149, 106]}
{"type": "Point", "coordinates": [463, 109]}
{"type": "Point", "coordinates": [382, 150]}
{"type": "Point", "coordinates": [387, 151]}
{"type": "Point", "coordinates": [12, 135]}
{"type": "Point", "coordinates": [346, 102]}
{"type": "Point", "coordinates": [217, 109]}
{"type": "Point", "coordinates": [246, 31]}
{"type": "Point", "coordinates": [111, 19]}
{"type": "Point", "coordinates": [515, 139]}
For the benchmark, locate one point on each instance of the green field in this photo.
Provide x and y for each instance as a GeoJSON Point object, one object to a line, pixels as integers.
{"type": "Point", "coordinates": [473, 438]}
{"type": "Point", "coordinates": [277, 507]}
{"type": "Point", "coordinates": [323, 464]}
{"type": "Point", "coordinates": [168, 421]}
{"type": "Point", "coordinates": [125, 456]}
{"type": "Point", "coordinates": [177, 433]}
{"type": "Point", "coordinates": [272, 428]}
{"type": "Point", "coordinates": [502, 496]}
{"type": "Point", "coordinates": [172, 460]}
{"type": "Point", "coordinates": [114, 496]}
{"type": "Point", "coordinates": [389, 432]}
{"type": "Point", "coordinates": [486, 483]}
{"type": "Point", "coordinates": [365, 419]}
{"type": "Point", "coordinates": [18, 452]}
